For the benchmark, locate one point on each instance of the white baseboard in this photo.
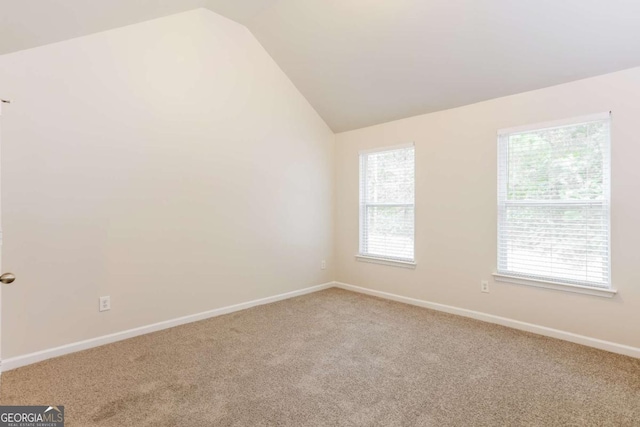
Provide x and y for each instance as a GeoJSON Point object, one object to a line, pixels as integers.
{"type": "Point", "coordinates": [28, 359]}
{"type": "Point", "coordinates": [516, 324]}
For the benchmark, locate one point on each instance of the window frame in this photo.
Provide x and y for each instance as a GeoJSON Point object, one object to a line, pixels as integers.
{"type": "Point", "coordinates": [543, 281]}
{"type": "Point", "coordinates": [363, 207]}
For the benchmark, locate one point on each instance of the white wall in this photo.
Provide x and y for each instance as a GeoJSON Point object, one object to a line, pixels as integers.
{"type": "Point", "coordinates": [174, 167]}
{"type": "Point", "coordinates": [169, 164]}
{"type": "Point", "coordinates": [456, 208]}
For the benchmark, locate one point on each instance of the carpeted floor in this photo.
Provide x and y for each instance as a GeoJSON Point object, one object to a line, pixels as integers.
{"type": "Point", "coordinates": [336, 358]}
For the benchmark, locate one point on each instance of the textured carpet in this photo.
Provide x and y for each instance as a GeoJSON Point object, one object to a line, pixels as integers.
{"type": "Point", "coordinates": [335, 358]}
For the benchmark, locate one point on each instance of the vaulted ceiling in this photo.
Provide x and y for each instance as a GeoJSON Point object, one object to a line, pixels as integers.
{"type": "Point", "coordinates": [363, 62]}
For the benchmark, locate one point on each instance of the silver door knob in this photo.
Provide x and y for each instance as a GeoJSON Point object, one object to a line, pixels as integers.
{"type": "Point", "coordinates": [7, 278]}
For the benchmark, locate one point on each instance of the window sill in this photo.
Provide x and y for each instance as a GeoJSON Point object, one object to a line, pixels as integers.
{"type": "Point", "coordinates": [579, 289]}
{"type": "Point", "coordinates": [384, 261]}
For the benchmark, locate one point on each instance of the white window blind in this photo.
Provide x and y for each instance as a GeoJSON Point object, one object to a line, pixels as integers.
{"type": "Point", "coordinates": [387, 187]}
{"type": "Point", "coordinates": [553, 202]}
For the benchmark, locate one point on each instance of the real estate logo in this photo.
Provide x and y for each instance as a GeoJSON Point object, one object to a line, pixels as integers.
{"type": "Point", "coordinates": [31, 416]}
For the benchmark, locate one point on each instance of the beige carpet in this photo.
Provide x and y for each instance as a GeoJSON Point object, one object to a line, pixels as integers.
{"type": "Point", "coordinates": [336, 358]}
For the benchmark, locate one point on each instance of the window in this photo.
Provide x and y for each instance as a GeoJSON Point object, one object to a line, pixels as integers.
{"type": "Point", "coordinates": [387, 204]}
{"type": "Point", "coordinates": [553, 202]}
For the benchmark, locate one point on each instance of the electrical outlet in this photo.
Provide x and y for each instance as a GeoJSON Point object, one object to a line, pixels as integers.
{"type": "Point", "coordinates": [323, 265]}
{"type": "Point", "coordinates": [105, 303]}
{"type": "Point", "coordinates": [484, 286]}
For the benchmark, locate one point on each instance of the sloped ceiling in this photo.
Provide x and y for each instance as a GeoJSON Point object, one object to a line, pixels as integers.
{"type": "Point", "coordinates": [29, 23]}
{"type": "Point", "coordinates": [363, 62]}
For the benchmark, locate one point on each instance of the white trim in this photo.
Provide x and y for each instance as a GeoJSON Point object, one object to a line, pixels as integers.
{"type": "Point", "coordinates": [558, 286]}
{"type": "Point", "coordinates": [385, 261]}
{"type": "Point", "coordinates": [556, 123]}
{"type": "Point", "coordinates": [511, 323]}
{"type": "Point", "coordinates": [387, 148]}
{"type": "Point", "coordinates": [39, 356]}
{"type": "Point", "coordinates": [28, 359]}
